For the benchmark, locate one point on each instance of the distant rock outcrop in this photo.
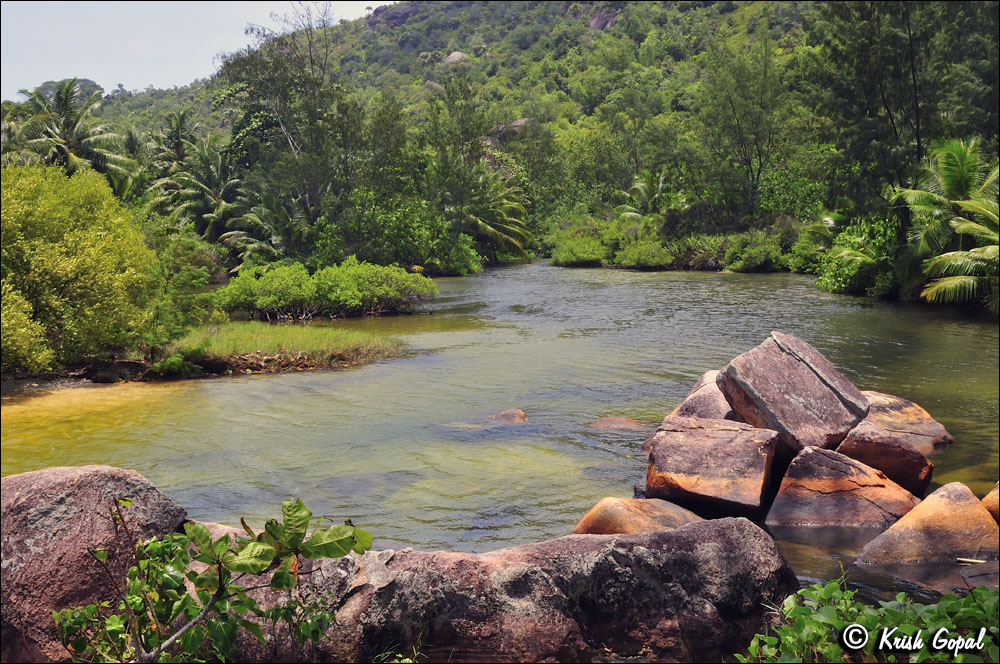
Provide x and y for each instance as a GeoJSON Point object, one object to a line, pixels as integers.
{"type": "Point", "coordinates": [603, 20]}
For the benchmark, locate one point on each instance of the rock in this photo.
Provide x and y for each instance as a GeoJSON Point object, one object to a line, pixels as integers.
{"type": "Point", "coordinates": [113, 371]}
{"type": "Point", "coordinates": [824, 488]}
{"type": "Point", "coordinates": [715, 465]}
{"type": "Point", "coordinates": [908, 421]}
{"type": "Point", "coordinates": [992, 502]}
{"type": "Point", "coordinates": [456, 56]}
{"type": "Point", "coordinates": [618, 423]}
{"type": "Point", "coordinates": [603, 20]}
{"type": "Point", "coordinates": [639, 489]}
{"type": "Point", "coordinates": [705, 400]}
{"type": "Point", "coordinates": [50, 520]}
{"type": "Point", "coordinates": [392, 15]}
{"type": "Point", "coordinates": [696, 593]}
{"type": "Point", "coordinates": [786, 385]}
{"type": "Point", "coordinates": [950, 523]}
{"type": "Point", "coordinates": [509, 416]}
{"type": "Point", "coordinates": [628, 516]}
{"type": "Point", "coordinates": [901, 462]}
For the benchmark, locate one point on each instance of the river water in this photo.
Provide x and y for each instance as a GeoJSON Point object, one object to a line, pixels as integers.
{"type": "Point", "coordinates": [401, 446]}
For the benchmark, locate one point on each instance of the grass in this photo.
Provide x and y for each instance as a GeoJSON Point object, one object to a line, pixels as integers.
{"type": "Point", "coordinates": [250, 347]}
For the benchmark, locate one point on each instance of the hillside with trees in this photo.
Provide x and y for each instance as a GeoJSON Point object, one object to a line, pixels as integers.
{"type": "Point", "coordinates": [854, 140]}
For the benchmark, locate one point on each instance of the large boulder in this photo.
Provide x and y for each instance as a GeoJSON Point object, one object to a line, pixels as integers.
{"type": "Point", "coordinates": [51, 520]}
{"type": "Point", "coordinates": [696, 593]}
{"type": "Point", "coordinates": [628, 516]}
{"type": "Point", "coordinates": [786, 385]}
{"type": "Point", "coordinates": [824, 488]}
{"type": "Point", "coordinates": [950, 523]}
{"type": "Point", "coordinates": [901, 462]}
{"type": "Point", "coordinates": [991, 502]}
{"type": "Point", "coordinates": [705, 400]}
{"type": "Point", "coordinates": [908, 421]}
{"type": "Point", "coordinates": [718, 466]}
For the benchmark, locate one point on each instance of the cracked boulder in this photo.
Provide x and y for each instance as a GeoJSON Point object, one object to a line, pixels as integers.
{"type": "Point", "coordinates": [627, 516]}
{"type": "Point", "coordinates": [787, 385]}
{"type": "Point", "coordinates": [705, 400]}
{"type": "Point", "coordinates": [899, 460]}
{"type": "Point", "coordinates": [697, 593]}
{"type": "Point", "coordinates": [51, 520]}
{"type": "Point", "coordinates": [824, 488]}
{"type": "Point", "coordinates": [908, 421]}
{"type": "Point", "coordinates": [950, 523]}
{"type": "Point", "coordinates": [716, 466]}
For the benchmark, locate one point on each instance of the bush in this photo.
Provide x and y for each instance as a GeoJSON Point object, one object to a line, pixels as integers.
{"type": "Point", "coordinates": [647, 254]}
{"type": "Point", "coordinates": [814, 619]}
{"type": "Point", "coordinates": [23, 344]}
{"type": "Point", "coordinates": [754, 251]}
{"type": "Point", "coordinates": [579, 248]}
{"type": "Point", "coordinates": [860, 261]}
{"type": "Point", "coordinates": [349, 289]}
{"type": "Point", "coordinates": [75, 255]}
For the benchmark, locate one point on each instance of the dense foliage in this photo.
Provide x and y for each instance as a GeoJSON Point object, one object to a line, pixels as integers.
{"type": "Point", "coordinates": [155, 618]}
{"type": "Point", "coordinates": [750, 136]}
{"type": "Point", "coordinates": [814, 620]}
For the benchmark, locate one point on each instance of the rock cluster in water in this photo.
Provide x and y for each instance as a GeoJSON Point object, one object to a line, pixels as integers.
{"type": "Point", "coordinates": [781, 436]}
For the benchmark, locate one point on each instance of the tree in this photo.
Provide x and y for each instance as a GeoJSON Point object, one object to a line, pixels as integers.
{"type": "Point", "coordinates": [75, 256]}
{"type": "Point", "coordinates": [67, 134]}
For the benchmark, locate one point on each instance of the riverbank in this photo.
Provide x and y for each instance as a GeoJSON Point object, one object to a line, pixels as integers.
{"type": "Point", "coordinates": [234, 348]}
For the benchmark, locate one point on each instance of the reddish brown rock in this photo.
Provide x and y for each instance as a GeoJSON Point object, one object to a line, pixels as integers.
{"type": "Point", "coordinates": [618, 423]}
{"type": "Point", "coordinates": [824, 488]}
{"type": "Point", "coordinates": [509, 416]}
{"type": "Point", "coordinates": [696, 593]}
{"type": "Point", "coordinates": [705, 400]}
{"type": "Point", "coordinates": [992, 502]}
{"type": "Point", "coordinates": [901, 462]}
{"type": "Point", "coordinates": [51, 519]}
{"type": "Point", "coordinates": [950, 523]}
{"type": "Point", "coordinates": [786, 385]}
{"type": "Point", "coordinates": [908, 421]}
{"type": "Point", "coordinates": [628, 516]}
{"type": "Point", "coordinates": [716, 465]}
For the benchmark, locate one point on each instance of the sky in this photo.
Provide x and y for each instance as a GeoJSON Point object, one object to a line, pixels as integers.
{"type": "Point", "coordinates": [137, 44]}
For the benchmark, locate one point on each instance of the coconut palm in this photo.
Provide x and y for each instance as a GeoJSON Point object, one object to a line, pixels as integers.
{"type": "Point", "coordinates": [270, 230]}
{"type": "Point", "coordinates": [964, 276]}
{"type": "Point", "coordinates": [17, 135]}
{"type": "Point", "coordinates": [207, 193]}
{"type": "Point", "coordinates": [647, 194]}
{"type": "Point", "coordinates": [69, 136]}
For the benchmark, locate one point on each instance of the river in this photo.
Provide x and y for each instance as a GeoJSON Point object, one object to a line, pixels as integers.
{"type": "Point", "coordinates": [401, 446]}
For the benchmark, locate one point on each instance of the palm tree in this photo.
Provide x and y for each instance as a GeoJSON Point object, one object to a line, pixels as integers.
{"type": "Point", "coordinates": [270, 230]}
{"type": "Point", "coordinates": [647, 194]}
{"type": "Point", "coordinates": [206, 193]}
{"type": "Point", "coordinates": [69, 136]}
{"type": "Point", "coordinates": [171, 145]}
{"type": "Point", "coordinates": [17, 134]}
{"type": "Point", "coordinates": [964, 276]}
{"type": "Point", "coordinates": [955, 171]}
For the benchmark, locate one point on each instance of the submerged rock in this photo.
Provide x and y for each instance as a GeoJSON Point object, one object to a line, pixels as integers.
{"type": "Point", "coordinates": [628, 516]}
{"type": "Point", "coordinates": [715, 465]}
{"type": "Point", "coordinates": [950, 523]}
{"type": "Point", "coordinates": [787, 385]}
{"type": "Point", "coordinates": [51, 520]}
{"type": "Point", "coordinates": [908, 421]}
{"type": "Point", "coordinates": [705, 400]}
{"type": "Point", "coordinates": [824, 488]}
{"type": "Point", "coordinates": [509, 416]}
{"type": "Point", "coordinates": [901, 462]}
{"type": "Point", "coordinates": [618, 423]}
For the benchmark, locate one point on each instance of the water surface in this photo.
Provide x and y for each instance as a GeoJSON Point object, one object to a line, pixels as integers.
{"type": "Point", "coordinates": [401, 446]}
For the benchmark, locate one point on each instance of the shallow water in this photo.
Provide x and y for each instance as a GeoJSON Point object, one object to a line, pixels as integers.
{"type": "Point", "coordinates": [401, 446]}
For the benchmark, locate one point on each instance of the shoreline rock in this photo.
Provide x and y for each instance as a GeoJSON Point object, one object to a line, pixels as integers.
{"type": "Point", "coordinates": [883, 450]}
{"type": "Point", "coordinates": [629, 516]}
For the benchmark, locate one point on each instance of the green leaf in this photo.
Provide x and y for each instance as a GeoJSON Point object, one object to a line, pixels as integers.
{"type": "Point", "coordinates": [332, 542]}
{"type": "Point", "coordinates": [200, 537]}
{"type": "Point", "coordinates": [254, 558]}
{"type": "Point", "coordinates": [283, 578]}
{"type": "Point", "coordinates": [253, 628]}
{"type": "Point", "coordinates": [295, 523]}
{"type": "Point", "coordinates": [192, 639]}
{"type": "Point", "coordinates": [100, 553]}
{"type": "Point", "coordinates": [125, 502]}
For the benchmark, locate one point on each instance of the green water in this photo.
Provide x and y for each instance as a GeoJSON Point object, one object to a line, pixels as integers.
{"type": "Point", "coordinates": [401, 447]}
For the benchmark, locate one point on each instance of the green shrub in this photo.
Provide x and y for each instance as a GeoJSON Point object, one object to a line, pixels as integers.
{"type": "Point", "coordinates": [22, 344]}
{"type": "Point", "coordinates": [754, 251]}
{"type": "Point", "coordinates": [805, 257]}
{"type": "Point", "coordinates": [579, 248]}
{"type": "Point", "coordinates": [73, 252]}
{"type": "Point", "coordinates": [698, 252]}
{"type": "Point", "coordinates": [647, 254]}
{"type": "Point", "coordinates": [860, 261]}
{"type": "Point", "coordinates": [814, 620]}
